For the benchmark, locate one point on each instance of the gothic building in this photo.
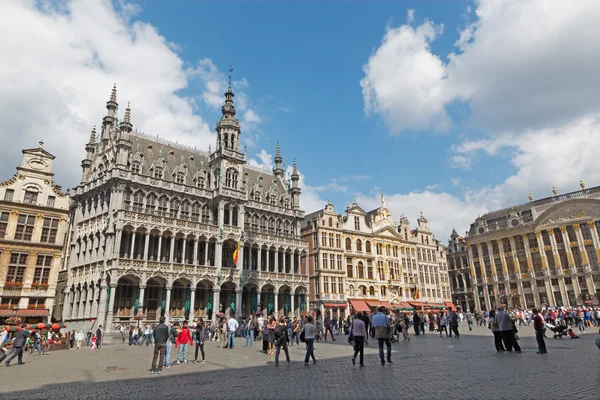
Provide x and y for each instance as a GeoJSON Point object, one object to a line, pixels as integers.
{"type": "Point", "coordinates": [360, 260]}
{"type": "Point", "coordinates": [155, 226]}
{"type": "Point", "coordinates": [459, 271]}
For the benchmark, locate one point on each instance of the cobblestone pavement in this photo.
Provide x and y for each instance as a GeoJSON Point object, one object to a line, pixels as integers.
{"type": "Point", "coordinates": [428, 367]}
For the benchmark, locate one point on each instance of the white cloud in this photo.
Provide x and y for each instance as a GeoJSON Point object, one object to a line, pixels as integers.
{"type": "Point", "coordinates": [461, 162]}
{"type": "Point", "coordinates": [265, 160]}
{"type": "Point", "coordinates": [58, 69]}
{"type": "Point", "coordinates": [404, 81]}
{"type": "Point", "coordinates": [410, 16]}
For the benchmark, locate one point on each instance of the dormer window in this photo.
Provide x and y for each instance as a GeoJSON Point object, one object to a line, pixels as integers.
{"type": "Point", "coordinates": [200, 182]}
{"type": "Point", "coordinates": [136, 168]}
{"type": "Point", "coordinates": [357, 223]}
{"type": "Point", "coordinates": [30, 197]}
{"type": "Point", "coordinates": [158, 172]}
{"type": "Point", "coordinates": [272, 200]}
{"type": "Point", "coordinates": [180, 178]}
{"type": "Point", "coordinates": [231, 178]}
{"type": "Point", "coordinates": [256, 195]}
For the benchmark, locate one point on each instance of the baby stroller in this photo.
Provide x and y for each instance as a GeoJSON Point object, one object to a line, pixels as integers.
{"type": "Point", "coordinates": [558, 330]}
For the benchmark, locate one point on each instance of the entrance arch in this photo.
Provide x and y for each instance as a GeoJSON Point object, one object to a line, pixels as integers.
{"type": "Point", "coordinates": [228, 298]}
{"type": "Point", "coordinates": [155, 298]}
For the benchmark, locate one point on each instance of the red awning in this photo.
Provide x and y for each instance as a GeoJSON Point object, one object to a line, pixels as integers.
{"type": "Point", "coordinates": [334, 305]}
{"type": "Point", "coordinates": [359, 305]}
{"type": "Point", "coordinates": [416, 303]}
{"type": "Point", "coordinates": [387, 305]}
{"type": "Point", "coordinates": [5, 313]}
{"type": "Point", "coordinates": [404, 305]}
{"type": "Point", "coordinates": [373, 303]}
{"type": "Point", "coordinates": [33, 312]}
{"type": "Point", "coordinates": [451, 305]}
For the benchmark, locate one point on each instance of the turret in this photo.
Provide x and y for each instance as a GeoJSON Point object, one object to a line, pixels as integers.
{"type": "Point", "coordinates": [90, 149]}
{"type": "Point", "coordinates": [109, 120]}
{"type": "Point", "coordinates": [295, 188]}
{"type": "Point", "coordinates": [228, 127]}
{"type": "Point", "coordinates": [278, 160]}
{"type": "Point", "coordinates": [123, 143]}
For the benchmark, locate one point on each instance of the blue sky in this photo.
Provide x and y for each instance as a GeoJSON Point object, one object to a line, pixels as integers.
{"type": "Point", "coordinates": [452, 108]}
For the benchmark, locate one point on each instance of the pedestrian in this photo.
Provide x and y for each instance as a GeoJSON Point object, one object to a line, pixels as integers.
{"type": "Point", "coordinates": [265, 334]}
{"type": "Point", "coordinates": [318, 324]}
{"type": "Point", "coordinates": [161, 335]}
{"type": "Point", "coordinates": [232, 326]}
{"type": "Point", "coordinates": [99, 337]}
{"type": "Point", "coordinates": [251, 326]}
{"type": "Point", "coordinates": [272, 325]}
{"type": "Point", "coordinates": [93, 340]}
{"type": "Point", "coordinates": [367, 322]}
{"type": "Point", "coordinates": [469, 318]}
{"type": "Point", "coordinates": [88, 338]}
{"type": "Point", "coordinates": [309, 331]}
{"type": "Point", "coordinates": [79, 339]}
{"type": "Point", "coordinates": [538, 325]}
{"type": "Point", "coordinates": [181, 344]}
{"type": "Point", "coordinates": [18, 342]}
{"type": "Point", "coordinates": [443, 323]}
{"type": "Point", "coordinates": [453, 322]}
{"type": "Point", "coordinates": [122, 331]}
{"type": "Point", "coordinates": [493, 325]}
{"type": "Point", "coordinates": [281, 340]}
{"type": "Point", "coordinates": [381, 322]}
{"type": "Point", "coordinates": [417, 324]}
{"type": "Point", "coordinates": [295, 332]}
{"type": "Point", "coordinates": [35, 342]}
{"type": "Point", "coordinates": [200, 335]}
{"type": "Point", "coordinates": [507, 328]}
{"type": "Point", "coordinates": [72, 339]}
{"type": "Point", "coordinates": [357, 335]}
{"type": "Point", "coordinates": [173, 333]}
{"type": "Point", "coordinates": [328, 326]}
{"type": "Point", "coordinates": [148, 335]}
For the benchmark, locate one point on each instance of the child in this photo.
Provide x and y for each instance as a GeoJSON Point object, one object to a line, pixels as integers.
{"type": "Point", "coordinates": [93, 343]}
{"type": "Point", "coordinates": [573, 335]}
{"type": "Point", "coordinates": [184, 338]}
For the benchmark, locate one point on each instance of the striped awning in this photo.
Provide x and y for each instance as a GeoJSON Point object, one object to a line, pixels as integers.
{"type": "Point", "coordinates": [359, 305]}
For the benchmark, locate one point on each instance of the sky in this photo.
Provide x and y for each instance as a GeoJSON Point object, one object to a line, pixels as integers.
{"type": "Point", "coordinates": [451, 108]}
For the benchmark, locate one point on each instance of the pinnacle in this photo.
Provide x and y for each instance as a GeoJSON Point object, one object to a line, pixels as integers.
{"type": "Point", "coordinates": [93, 135]}
{"type": "Point", "coordinates": [127, 117]}
{"type": "Point", "coordinates": [278, 152]}
{"type": "Point", "coordinates": [113, 94]}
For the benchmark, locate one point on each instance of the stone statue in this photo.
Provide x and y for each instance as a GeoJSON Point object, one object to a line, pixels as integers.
{"type": "Point", "coordinates": [383, 200]}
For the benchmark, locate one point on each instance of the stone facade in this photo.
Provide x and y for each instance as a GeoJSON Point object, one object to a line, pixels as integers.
{"type": "Point", "coordinates": [360, 260]}
{"type": "Point", "coordinates": [459, 271]}
{"type": "Point", "coordinates": [544, 252]}
{"type": "Point", "coordinates": [156, 225]}
{"type": "Point", "coordinates": [33, 224]}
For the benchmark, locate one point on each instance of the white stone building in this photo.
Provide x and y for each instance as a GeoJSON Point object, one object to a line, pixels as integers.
{"type": "Point", "coordinates": [156, 224]}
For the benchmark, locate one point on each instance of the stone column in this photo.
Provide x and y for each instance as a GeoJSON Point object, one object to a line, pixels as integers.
{"type": "Point", "coordinates": [276, 260]}
{"type": "Point", "coordinates": [168, 305]}
{"type": "Point", "coordinates": [172, 253]}
{"type": "Point", "coordinates": [293, 309]}
{"type": "Point", "coordinates": [183, 251]}
{"type": "Point", "coordinates": [195, 256]}
{"type": "Point", "coordinates": [563, 230]}
{"type": "Point", "coordinates": [160, 237]}
{"type": "Point", "coordinates": [216, 300]}
{"type": "Point", "coordinates": [519, 271]}
{"type": "Point", "coordinates": [241, 217]}
{"type": "Point", "coordinates": [595, 239]}
{"type": "Point", "coordinates": [293, 262]}
{"type": "Point", "coordinates": [276, 304]}
{"type": "Point", "coordinates": [95, 299]}
{"type": "Point", "coordinates": [473, 280]}
{"type": "Point", "coordinates": [132, 250]}
{"type": "Point", "coordinates": [146, 246]}
{"type": "Point", "coordinates": [563, 287]}
{"type": "Point", "coordinates": [206, 253]}
{"type": "Point", "coordinates": [102, 303]}
{"type": "Point", "coordinates": [141, 302]}
{"type": "Point", "coordinates": [192, 302]}
{"type": "Point", "coordinates": [238, 304]}
{"type": "Point", "coordinates": [111, 304]}
{"type": "Point", "coordinates": [66, 314]}
{"type": "Point", "coordinates": [75, 308]}
{"type": "Point", "coordinates": [258, 258]}
{"type": "Point", "coordinates": [89, 299]}
{"type": "Point", "coordinates": [268, 259]}
{"type": "Point", "coordinates": [557, 263]}
{"type": "Point", "coordinates": [219, 253]}
{"type": "Point", "coordinates": [257, 301]}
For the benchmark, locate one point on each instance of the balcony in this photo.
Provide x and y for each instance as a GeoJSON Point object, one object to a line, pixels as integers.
{"type": "Point", "coordinates": [333, 297]}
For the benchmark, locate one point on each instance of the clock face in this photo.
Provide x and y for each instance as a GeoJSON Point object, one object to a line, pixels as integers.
{"type": "Point", "coordinates": [481, 230]}
{"type": "Point", "coordinates": [36, 164]}
{"type": "Point", "coordinates": [514, 222]}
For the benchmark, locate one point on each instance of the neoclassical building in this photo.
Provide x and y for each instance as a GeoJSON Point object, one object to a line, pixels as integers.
{"type": "Point", "coordinates": [360, 260]}
{"type": "Point", "coordinates": [155, 226]}
{"type": "Point", "coordinates": [544, 252]}
{"type": "Point", "coordinates": [33, 223]}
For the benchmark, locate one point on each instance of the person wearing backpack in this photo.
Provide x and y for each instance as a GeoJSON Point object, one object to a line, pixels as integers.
{"type": "Point", "coordinates": [281, 340]}
{"type": "Point", "coordinates": [173, 333]}
{"type": "Point", "coordinates": [251, 329]}
{"type": "Point", "coordinates": [181, 344]}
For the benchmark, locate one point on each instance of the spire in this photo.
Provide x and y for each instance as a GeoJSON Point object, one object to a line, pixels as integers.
{"type": "Point", "coordinates": [93, 136]}
{"type": "Point", "coordinates": [127, 118]}
{"type": "Point", "coordinates": [111, 105]}
{"type": "Point", "coordinates": [278, 171]}
{"type": "Point", "coordinates": [295, 175]}
{"type": "Point", "coordinates": [126, 122]}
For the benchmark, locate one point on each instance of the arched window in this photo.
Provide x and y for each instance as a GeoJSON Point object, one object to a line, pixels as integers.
{"type": "Point", "coordinates": [138, 201]}
{"type": "Point", "coordinates": [231, 178]}
{"type": "Point", "coordinates": [196, 210]}
{"type": "Point", "coordinates": [163, 205]}
{"type": "Point", "coordinates": [136, 168]}
{"type": "Point", "coordinates": [330, 222]}
{"type": "Point", "coordinates": [361, 271]}
{"type": "Point", "coordinates": [263, 224]}
{"type": "Point", "coordinates": [286, 228]}
{"type": "Point", "coordinates": [205, 214]}
{"type": "Point", "coordinates": [286, 203]}
{"type": "Point", "coordinates": [359, 245]}
{"type": "Point", "coordinates": [351, 290]}
{"type": "Point", "coordinates": [271, 226]}
{"type": "Point", "coordinates": [174, 209]}
{"type": "Point", "coordinates": [272, 199]}
{"type": "Point", "coordinates": [255, 222]}
{"type": "Point", "coordinates": [279, 227]}
{"type": "Point", "coordinates": [226, 139]}
{"type": "Point", "coordinates": [200, 182]}
{"type": "Point", "coordinates": [151, 204]}
{"type": "Point", "coordinates": [348, 244]}
{"type": "Point", "coordinates": [180, 178]}
{"type": "Point", "coordinates": [371, 291]}
{"type": "Point", "coordinates": [368, 247]}
{"type": "Point", "coordinates": [126, 200]}
{"type": "Point", "coordinates": [185, 210]}
{"type": "Point", "coordinates": [383, 291]}
{"type": "Point", "coordinates": [363, 290]}
{"type": "Point", "coordinates": [256, 195]}
{"type": "Point", "coordinates": [158, 172]}
{"type": "Point", "coordinates": [217, 178]}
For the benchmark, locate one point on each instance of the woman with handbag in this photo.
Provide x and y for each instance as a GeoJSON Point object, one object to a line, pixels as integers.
{"type": "Point", "coordinates": [281, 340]}
{"type": "Point", "coordinates": [357, 338]}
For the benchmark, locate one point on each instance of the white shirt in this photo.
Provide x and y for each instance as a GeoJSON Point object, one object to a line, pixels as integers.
{"type": "Point", "coordinates": [233, 324]}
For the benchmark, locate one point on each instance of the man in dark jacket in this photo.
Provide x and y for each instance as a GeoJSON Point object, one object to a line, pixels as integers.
{"type": "Point", "coordinates": [99, 337]}
{"type": "Point", "coordinates": [18, 343]}
{"type": "Point", "coordinates": [161, 335]}
{"type": "Point", "coordinates": [367, 322]}
{"type": "Point", "coordinates": [417, 323]}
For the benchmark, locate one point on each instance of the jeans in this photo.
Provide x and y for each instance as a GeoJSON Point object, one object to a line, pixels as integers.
{"type": "Point", "coordinates": [230, 339]}
{"type": "Point", "coordinates": [182, 352]}
{"type": "Point", "coordinates": [389, 349]}
{"type": "Point", "coordinates": [539, 337]}
{"type": "Point", "coordinates": [199, 345]}
{"type": "Point", "coordinates": [148, 339]}
{"type": "Point", "coordinates": [295, 335]}
{"type": "Point", "coordinates": [159, 354]}
{"type": "Point", "coordinates": [581, 325]}
{"type": "Point", "coordinates": [278, 349]}
{"type": "Point", "coordinates": [454, 328]}
{"type": "Point", "coordinates": [18, 352]}
{"type": "Point", "coordinates": [444, 329]}
{"type": "Point", "coordinates": [250, 338]}
{"type": "Point", "coordinates": [168, 353]}
{"type": "Point", "coordinates": [310, 344]}
{"type": "Point", "coordinates": [508, 337]}
{"type": "Point", "coordinates": [470, 323]}
{"type": "Point", "coordinates": [359, 348]}
{"type": "Point", "coordinates": [35, 346]}
{"type": "Point", "coordinates": [328, 329]}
